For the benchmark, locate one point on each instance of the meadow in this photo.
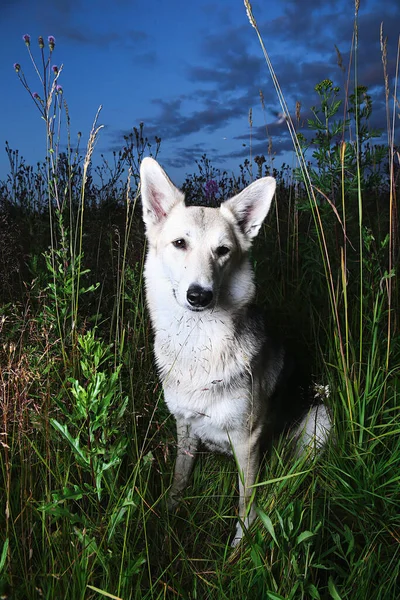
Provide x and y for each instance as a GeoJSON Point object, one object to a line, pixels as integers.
{"type": "Point", "coordinates": [87, 443]}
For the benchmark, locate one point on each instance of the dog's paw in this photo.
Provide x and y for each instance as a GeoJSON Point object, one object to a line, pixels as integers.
{"type": "Point", "coordinates": [236, 541]}
{"type": "Point", "coordinates": [243, 526]}
{"type": "Point", "coordinates": [237, 538]}
{"type": "Point", "coordinates": [173, 502]}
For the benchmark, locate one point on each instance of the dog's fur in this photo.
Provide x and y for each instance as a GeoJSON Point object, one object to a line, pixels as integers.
{"type": "Point", "coordinates": [221, 370]}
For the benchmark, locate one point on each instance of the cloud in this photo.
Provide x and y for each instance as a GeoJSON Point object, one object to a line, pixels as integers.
{"type": "Point", "coordinates": [129, 38]}
{"type": "Point", "coordinates": [185, 156]}
{"type": "Point", "coordinates": [175, 120]}
{"type": "Point", "coordinates": [308, 41]}
{"type": "Point", "coordinates": [233, 66]}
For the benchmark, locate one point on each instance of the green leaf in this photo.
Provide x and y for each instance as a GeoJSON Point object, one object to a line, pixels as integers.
{"type": "Point", "coordinates": [266, 521]}
{"type": "Point", "coordinates": [305, 535]}
{"type": "Point", "coordinates": [313, 592]}
{"type": "Point", "coordinates": [118, 516]}
{"type": "Point", "coordinates": [74, 442]}
{"type": "Point", "coordinates": [332, 590]}
{"type": "Point", "coordinates": [275, 596]}
{"type": "Point", "coordinates": [3, 556]}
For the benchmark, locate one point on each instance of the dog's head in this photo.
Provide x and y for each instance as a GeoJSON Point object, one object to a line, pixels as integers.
{"type": "Point", "coordinates": [202, 251]}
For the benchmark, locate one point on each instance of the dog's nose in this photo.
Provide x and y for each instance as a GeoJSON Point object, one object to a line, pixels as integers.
{"type": "Point", "coordinates": [198, 297]}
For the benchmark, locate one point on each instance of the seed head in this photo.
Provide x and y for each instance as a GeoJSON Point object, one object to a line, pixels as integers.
{"type": "Point", "coordinates": [59, 89]}
{"type": "Point", "coordinates": [35, 96]}
{"type": "Point", "coordinates": [41, 42]}
{"type": "Point", "coordinates": [249, 13]}
{"type": "Point", "coordinates": [17, 67]}
{"type": "Point", "coordinates": [55, 69]}
{"type": "Point", "coordinates": [52, 42]}
{"type": "Point", "coordinates": [27, 39]}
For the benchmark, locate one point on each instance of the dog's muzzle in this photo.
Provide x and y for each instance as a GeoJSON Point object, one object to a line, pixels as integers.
{"type": "Point", "coordinates": [199, 297]}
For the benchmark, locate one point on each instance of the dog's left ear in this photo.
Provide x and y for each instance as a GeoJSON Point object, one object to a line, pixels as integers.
{"type": "Point", "coordinates": [158, 192]}
{"type": "Point", "coordinates": [251, 206]}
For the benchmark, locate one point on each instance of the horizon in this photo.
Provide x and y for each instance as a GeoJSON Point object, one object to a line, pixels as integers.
{"type": "Point", "coordinates": [192, 78]}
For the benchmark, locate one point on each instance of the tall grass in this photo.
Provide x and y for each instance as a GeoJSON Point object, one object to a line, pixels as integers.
{"type": "Point", "coordinates": [87, 442]}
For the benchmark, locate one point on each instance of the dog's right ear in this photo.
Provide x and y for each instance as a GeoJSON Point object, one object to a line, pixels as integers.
{"type": "Point", "coordinates": [159, 195]}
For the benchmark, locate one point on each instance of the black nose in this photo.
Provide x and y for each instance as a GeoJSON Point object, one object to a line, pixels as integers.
{"type": "Point", "coordinates": [198, 297]}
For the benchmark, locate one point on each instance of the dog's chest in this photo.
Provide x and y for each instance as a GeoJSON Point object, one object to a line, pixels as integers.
{"type": "Point", "coordinates": [205, 372]}
{"type": "Point", "coordinates": [213, 419]}
{"type": "Point", "coordinates": [200, 355]}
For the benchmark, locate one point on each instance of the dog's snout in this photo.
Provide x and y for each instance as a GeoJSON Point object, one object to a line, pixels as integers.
{"type": "Point", "coordinates": [199, 297]}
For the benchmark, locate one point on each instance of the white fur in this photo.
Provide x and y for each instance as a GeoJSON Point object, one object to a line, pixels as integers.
{"type": "Point", "coordinates": [199, 287]}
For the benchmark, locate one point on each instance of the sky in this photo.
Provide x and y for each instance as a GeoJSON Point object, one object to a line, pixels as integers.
{"type": "Point", "coordinates": [190, 71]}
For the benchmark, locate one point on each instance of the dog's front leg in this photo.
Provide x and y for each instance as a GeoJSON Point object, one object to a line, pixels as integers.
{"type": "Point", "coordinates": [187, 447]}
{"type": "Point", "coordinates": [247, 455]}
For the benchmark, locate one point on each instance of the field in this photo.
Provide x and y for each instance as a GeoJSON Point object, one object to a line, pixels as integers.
{"type": "Point", "coordinates": [87, 443]}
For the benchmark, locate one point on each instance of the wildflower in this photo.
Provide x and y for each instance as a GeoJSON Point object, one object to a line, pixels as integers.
{"type": "Point", "coordinates": [52, 42]}
{"type": "Point", "coordinates": [321, 391]}
{"type": "Point", "coordinates": [55, 69]}
{"type": "Point", "coordinates": [211, 188]}
{"type": "Point", "coordinates": [259, 160]}
{"type": "Point", "coordinates": [59, 89]}
{"type": "Point", "coordinates": [27, 39]}
{"type": "Point", "coordinates": [41, 42]}
{"type": "Point", "coordinates": [35, 96]}
{"type": "Point", "coordinates": [17, 67]}
{"type": "Point", "coordinates": [324, 85]}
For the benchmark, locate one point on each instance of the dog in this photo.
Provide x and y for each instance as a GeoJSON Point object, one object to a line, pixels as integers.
{"type": "Point", "coordinates": [222, 372]}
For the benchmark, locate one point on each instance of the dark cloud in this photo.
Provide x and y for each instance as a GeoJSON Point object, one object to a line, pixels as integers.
{"type": "Point", "coordinates": [185, 156]}
{"type": "Point", "coordinates": [232, 67]}
{"type": "Point", "coordinates": [279, 147]}
{"type": "Point", "coordinates": [130, 38]}
{"type": "Point", "coordinates": [311, 41]}
{"type": "Point", "coordinates": [173, 122]}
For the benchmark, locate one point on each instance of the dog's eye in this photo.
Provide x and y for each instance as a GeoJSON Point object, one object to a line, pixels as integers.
{"type": "Point", "coordinates": [180, 244]}
{"type": "Point", "coordinates": [222, 251]}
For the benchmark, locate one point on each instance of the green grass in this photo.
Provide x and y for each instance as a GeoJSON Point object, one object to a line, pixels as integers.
{"type": "Point", "coordinates": [87, 443]}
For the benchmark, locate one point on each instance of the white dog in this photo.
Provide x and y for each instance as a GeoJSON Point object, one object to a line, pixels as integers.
{"type": "Point", "coordinates": [221, 371]}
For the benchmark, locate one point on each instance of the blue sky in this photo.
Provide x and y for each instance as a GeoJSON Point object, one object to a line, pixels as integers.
{"type": "Point", "coordinates": [189, 70]}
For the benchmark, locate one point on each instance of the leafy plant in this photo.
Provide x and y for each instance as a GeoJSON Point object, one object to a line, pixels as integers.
{"type": "Point", "coordinates": [93, 421]}
{"type": "Point", "coordinates": [342, 155]}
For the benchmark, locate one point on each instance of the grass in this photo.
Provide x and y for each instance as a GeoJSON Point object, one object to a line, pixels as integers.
{"type": "Point", "coordinates": [87, 444]}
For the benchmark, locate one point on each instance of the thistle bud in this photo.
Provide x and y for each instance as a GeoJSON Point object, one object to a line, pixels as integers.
{"type": "Point", "coordinates": [27, 39]}
{"type": "Point", "coordinates": [41, 42]}
{"type": "Point", "coordinates": [52, 42]}
{"type": "Point", "coordinates": [17, 67]}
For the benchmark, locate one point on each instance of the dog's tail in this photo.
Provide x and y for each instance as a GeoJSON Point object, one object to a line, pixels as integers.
{"type": "Point", "coordinates": [313, 430]}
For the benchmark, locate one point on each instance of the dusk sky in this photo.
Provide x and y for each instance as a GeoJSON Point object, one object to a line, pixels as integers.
{"type": "Point", "coordinates": [189, 70]}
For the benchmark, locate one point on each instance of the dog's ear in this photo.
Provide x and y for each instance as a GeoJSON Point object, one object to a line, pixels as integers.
{"type": "Point", "coordinates": [158, 192]}
{"type": "Point", "coordinates": [251, 206]}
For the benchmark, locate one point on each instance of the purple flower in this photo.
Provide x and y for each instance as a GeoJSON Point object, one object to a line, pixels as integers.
{"type": "Point", "coordinates": [59, 89]}
{"type": "Point", "coordinates": [52, 42]}
{"type": "Point", "coordinates": [27, 39]}
{"type": "Point", "coordinates": [211, 188]}
{"type": "Point", "coordinates": [17, 67]}
{"type": "Point", "coordinates": [55, 69]}
{"type": "Point", "coordinates": [41, 42]}
{"type": "Point", "coordinates": [35, 96]}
